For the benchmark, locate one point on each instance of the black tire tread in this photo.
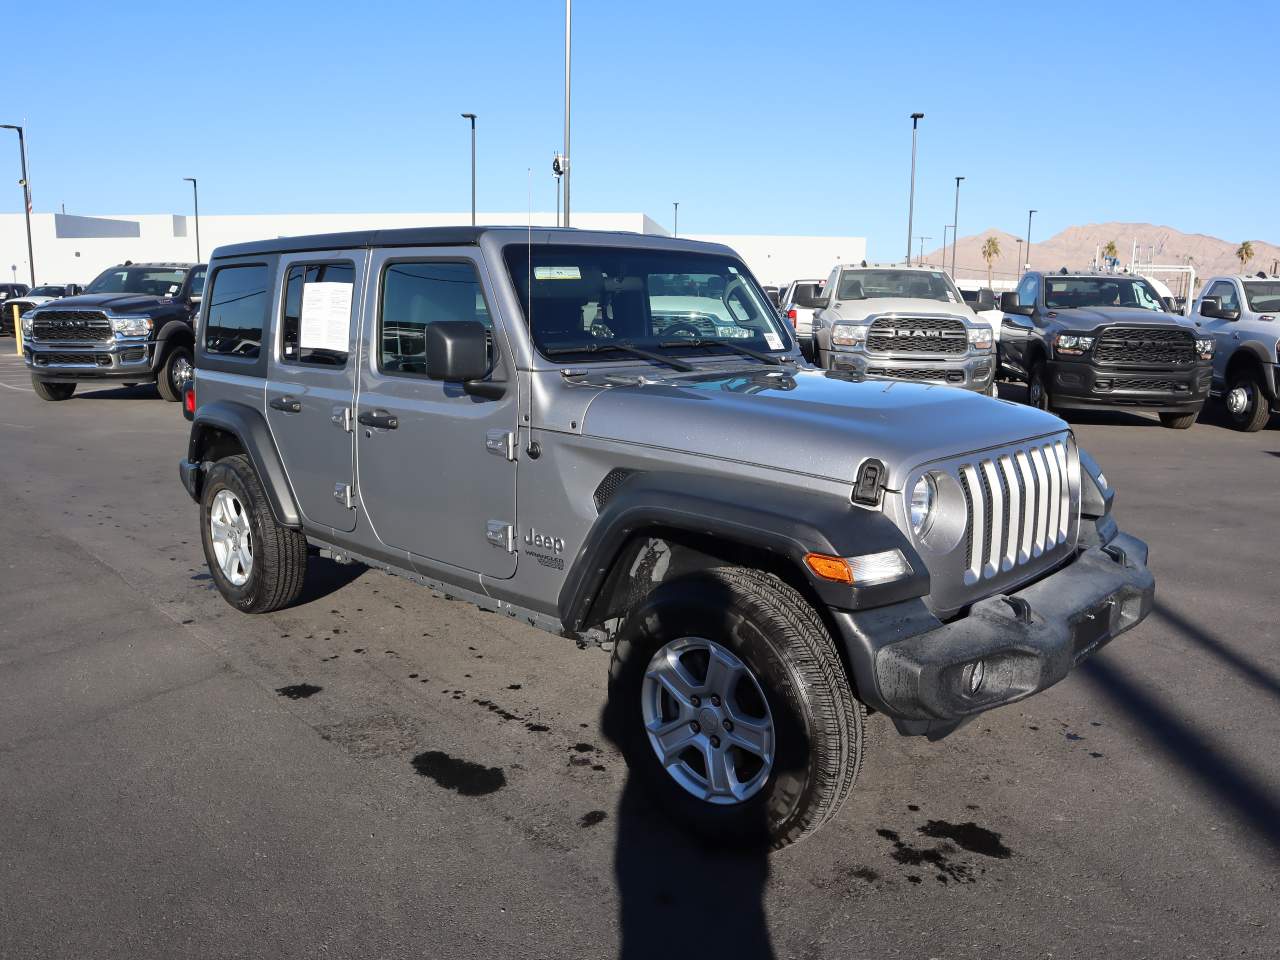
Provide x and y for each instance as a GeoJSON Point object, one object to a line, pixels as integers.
{"type": "Point", "coordinates": [1261, 413]}
{"type": "Point", "coordinates": [52, 391]}
{"type": "Point", "coordinates": [1178, 421]}
{"type": "Point", "coordinates": [164, 379]}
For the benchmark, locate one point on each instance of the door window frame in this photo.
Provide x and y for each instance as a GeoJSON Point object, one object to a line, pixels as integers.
{"type": "Point", "coordinates": [358, 275]}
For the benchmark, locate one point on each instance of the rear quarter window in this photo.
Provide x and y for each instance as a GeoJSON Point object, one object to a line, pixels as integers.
{"type": "Point", "coordinates": [237, 310]}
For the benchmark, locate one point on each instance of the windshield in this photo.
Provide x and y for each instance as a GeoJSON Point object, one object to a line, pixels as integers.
{"type": "Point", "coordinates": [1264, 296]}
{"type": "Point", "coordinates": [898, 284]}
{"type": "Point", "coordinates": [49, 292]}
{"type": "Point", "coordinates": [1067, 293]}
{"type": "Point", "coordinates": [155, 281]}
{"type": "Point", "coordinates": [589, 297]}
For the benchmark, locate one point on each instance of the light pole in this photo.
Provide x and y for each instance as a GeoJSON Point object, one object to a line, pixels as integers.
{"type": "Point", "coordinates": [911, 204]}
{"type": "Point", "coordinates": [472, 118]}
{"type": "Point", "coordinates": [675, 207]}
{"type": "Point", "coordinates": [195, 195]}
{"type": "Point", "coordinates": [25, 183]}
{"type": "Point", "coordinates": [945, 228]}
{"type": "Point", "coordinates": [955, 230]}
{"type": "Point", "coordinates": [568, 48]}
{"type": "Point", "coordinates": [920, 259]}
{"type": "Point", "coordinates": [1028, 260]}
{"type": "Point", "coordinates": [557, 169]}
{"type": "Point", "coordinates": [1019, 256]}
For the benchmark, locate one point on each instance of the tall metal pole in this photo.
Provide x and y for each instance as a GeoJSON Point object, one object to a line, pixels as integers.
{"type": "Point", "coordinates": [955, 229]}
{"type": "Point", "coordinates": [568, 47]}
{"type": "Point", "coordinates": [675, 230]}
{"type": "Point", "coordinates": [26, 195]}
{"type": "Point", "coordinates": [195, 193]}
{"type": "Point", "coordinates": [911, 204]}
{"type": "Point", "coordinates": [472, 118]}
{"type": "Point", "coordinates": [1028, 261]}
{"type": "Point", "coordinates": [920, 260]}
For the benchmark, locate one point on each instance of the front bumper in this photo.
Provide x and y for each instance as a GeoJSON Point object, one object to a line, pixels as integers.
{"type": "Point", "coordinates": [1081, 385]}
{"type": "Point", "coordinates": [971, 371]}
{"type": "Point", "coordinates": [921, 672]}
{"type": "Point", "coordinates": [129, 360]}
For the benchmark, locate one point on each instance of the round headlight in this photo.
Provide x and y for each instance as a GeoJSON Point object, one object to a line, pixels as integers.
{"type": "Point", "coordinates": [924, 497]}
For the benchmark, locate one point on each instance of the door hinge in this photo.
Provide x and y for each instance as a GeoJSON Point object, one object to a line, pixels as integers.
{"type": "Point", "coordinates": [501, 534]}
{"type": "Point", "coordinates": [343, 493]}
{"type": "Point", "coordinates": [342, 418]}
{"type": "Point", "coordinates": [501, 443]}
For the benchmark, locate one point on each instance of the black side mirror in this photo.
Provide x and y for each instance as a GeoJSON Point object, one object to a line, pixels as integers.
{"type": "Point", "coordinates": [820, 303]}
{"type": "Point", "coordinates": [1009, 304]}
{"type": "Point", "coordinates": [1211, 307]}
{"type": "Point", "coordinates": [458, 351]}
{"type": "Point", "coordinates": [986, 299]}
{"type": "Point", "coordinates": [1228, 315]}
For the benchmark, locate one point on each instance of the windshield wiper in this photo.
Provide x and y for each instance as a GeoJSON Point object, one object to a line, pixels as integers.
{"type": "Point", "coordinates": [614, 346]}
{"type": "Point", "coordinates": [736, 348]}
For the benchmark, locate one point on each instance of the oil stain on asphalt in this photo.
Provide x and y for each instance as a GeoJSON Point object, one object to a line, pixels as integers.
{"type": "Point", "coordinates": [299, 691]}
{"type": "Point", "coordinates": [462, 776]}
{"type": "Point", "coordinates": [967, 836]}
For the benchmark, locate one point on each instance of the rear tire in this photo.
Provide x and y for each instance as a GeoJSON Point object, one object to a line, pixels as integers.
{"type": "Point", "coordinates": [52, 391]}
{"type": "Point", "coordinates": [174, 374]}
{"type": "Point", "coordinates": [1178, 421]}
{"type": "Point", "coordinates": [1247, 403]}
{"type": "Point", "coordinates": [801, 694]}
{"type": "Point", "coordinates": [233, 499]}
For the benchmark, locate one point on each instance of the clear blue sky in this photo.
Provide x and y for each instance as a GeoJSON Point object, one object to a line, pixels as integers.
{"type": "Point", "coordinates": [758, 117]}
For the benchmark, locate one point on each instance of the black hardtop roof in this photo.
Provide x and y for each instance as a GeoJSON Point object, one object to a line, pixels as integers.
{"type": "Point", "coordinates": [442, 237]}
{"type": "Point", "coordinates": [148, 264]}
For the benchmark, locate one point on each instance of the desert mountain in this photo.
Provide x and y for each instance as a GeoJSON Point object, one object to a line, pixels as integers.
{"type": "Point", "coordinates": [1075, 247]}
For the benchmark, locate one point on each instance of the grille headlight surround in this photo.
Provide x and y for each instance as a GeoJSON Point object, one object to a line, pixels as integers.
{"type": "Point", "coordinates": [849, 334]}
{"type": "Point", "coordinates": [28, 322]}
{"type": "Point", "coordinates": [131, 326]}
{"type": "Point", "coordinates": [923, 504]}
{"type": "Point", "coordinates": [1204, 347]}
{"type": "Point", "coordinates": [981, 338]}
{"type": "Point", "coordinates": [1072, 345]}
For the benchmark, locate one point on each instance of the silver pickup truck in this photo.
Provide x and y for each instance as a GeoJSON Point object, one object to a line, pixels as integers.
{"type": "Point", "coordinates": [613, 437]}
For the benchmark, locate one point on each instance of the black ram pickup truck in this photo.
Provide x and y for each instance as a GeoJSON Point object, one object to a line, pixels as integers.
{"type": "Point", "coordinates": [1104, 342]}
{"type": "Point", "coordinates": [133, 324]}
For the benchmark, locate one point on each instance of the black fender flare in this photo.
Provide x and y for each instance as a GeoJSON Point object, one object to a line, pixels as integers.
{"type": "Point", "coordinates": [1256, 354]}
{"type": "Point", "coordinates": [786, 522]}
{"type": "Point", "coordinates": [250, 428]}
{"type": "Point", "coordinates": [172, 332]}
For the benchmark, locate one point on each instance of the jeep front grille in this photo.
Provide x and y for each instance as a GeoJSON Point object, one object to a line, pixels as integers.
{"type": "Point", "coordinates": [1146, 346]}
{"type": "Point", "coordinates": [1019, 507]}
{"type": "Point", "coordinates": [58, 326]}
{"type": "Point", "coordinates": [938, 335]}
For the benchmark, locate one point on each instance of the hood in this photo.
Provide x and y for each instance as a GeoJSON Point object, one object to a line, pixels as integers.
{"type": "Point", "coordinates": [1084, 319]}
{"type": "Point", "coordinates": [858, 309]}
{"type": "Point", "coordinates": [115, 302]}
{"type": "Point", "coordinates": [814, 422]}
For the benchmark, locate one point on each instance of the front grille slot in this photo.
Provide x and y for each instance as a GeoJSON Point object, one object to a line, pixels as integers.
{"type": "Point", "coordinates": [933, 335]}
{"type": "Point", "coordinates": [917, 374]}
{"type": "Point", "coordinates": [71, 359]}
{"type": "Point", "coordinates": [1146, 346]}
{"type": "Point", "coordinates": [61, 326]}
{"type": "Point", "coordinates": [1019, 507]}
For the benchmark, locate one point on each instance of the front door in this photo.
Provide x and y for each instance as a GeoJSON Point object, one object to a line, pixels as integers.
{"type": "Point", "coordinates": [1018, 330]}
{"type": "Point", "coordinates": [436, 467]}
{"type": "Point", "coordinates": [1226, 333]}
{"type": "Point", "coordinates": [312, 380]}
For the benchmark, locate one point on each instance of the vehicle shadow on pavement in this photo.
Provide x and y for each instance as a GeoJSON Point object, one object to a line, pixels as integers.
{"type": "Point", "coordinates": [325, 577]}
{"type": "Point", "coordinates": [1246, 668]}
{"type": "Point", "coordinates": [140, 391]}
{"type": "Point", "coordinates": [1216, 771]}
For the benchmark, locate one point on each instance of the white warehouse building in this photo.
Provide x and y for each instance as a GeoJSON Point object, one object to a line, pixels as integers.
{"type": "Point", "coordinates": [74, 249]}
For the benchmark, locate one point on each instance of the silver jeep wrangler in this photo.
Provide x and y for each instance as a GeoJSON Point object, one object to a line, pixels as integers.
{"type": "Point", "coordinates": [614, 438]}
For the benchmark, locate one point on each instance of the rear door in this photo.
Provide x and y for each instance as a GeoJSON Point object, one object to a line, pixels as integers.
{"type": "Point", "coordinates": [311, 380]}
{"type": "Point", "coordinates": [436, 466]}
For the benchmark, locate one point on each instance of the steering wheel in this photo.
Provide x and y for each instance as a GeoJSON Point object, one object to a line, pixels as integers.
{"type": "Point", "coordinates": [683, 329]}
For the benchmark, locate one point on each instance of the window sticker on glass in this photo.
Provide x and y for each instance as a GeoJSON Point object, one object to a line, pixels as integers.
{"type": "Point", "coordinates": [326, 316]}
{"type": "Point", "coordinates": [773, 340]}
{"type": "Point", "coordinates": [173, 288]}
{"type": "Point", "coordinates": [557, 273]}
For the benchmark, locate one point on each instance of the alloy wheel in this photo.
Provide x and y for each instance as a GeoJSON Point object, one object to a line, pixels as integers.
{"type": "Point", "coordinates": [232, 537]}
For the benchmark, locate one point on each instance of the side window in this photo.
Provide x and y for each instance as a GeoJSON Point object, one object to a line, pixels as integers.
{"type": "Point", "coordinates": [417, 293]}
{"type": "Point", "coordinates": [1027, 292]}
{"type": "Point", "coordinates": [315, 318]}
{"type": "Point", "coordinates": [237, 310]}
{"type": "Point", "coordinates": [1226, 292]}
{"type": "Point", "coordinates": [197, 282]}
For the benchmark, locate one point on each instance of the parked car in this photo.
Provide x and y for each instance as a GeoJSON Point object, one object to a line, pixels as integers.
{"type": "Point", "coordinates": [38, 296]}
{"type": "Point", "coordinates": [902, 323]}
{"type": "Point", "coordinates": [132, 324]}
{"type": "Point", "coordinates": [774, 294]}
{"type": "Point", "coordinates": [1242, 315]}
{"type": "Point", "coordinates": [982, 301]}
{"type": "Point", "coordinates": [1104, 342]}
{"type": "Point", "coordinates": [768, 549]}
{"type": "Point", "coordinates": [799, 300]}
{"type": "Point", "coordinates": [8, 291]}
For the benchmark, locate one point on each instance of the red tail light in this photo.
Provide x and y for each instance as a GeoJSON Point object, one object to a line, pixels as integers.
{"type": "Point", "coordinates": [189, 401]}
{"type": "Point", "coordinates": [791, 315]}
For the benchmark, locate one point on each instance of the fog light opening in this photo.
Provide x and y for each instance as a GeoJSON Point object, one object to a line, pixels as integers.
{"type": "Point", "coordinates": [972, 676]}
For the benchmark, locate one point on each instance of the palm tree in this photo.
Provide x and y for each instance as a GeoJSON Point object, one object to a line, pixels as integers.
{"type": "Point", "coordinates": [1109, 251]}
{"type": "Point", "coordinates": [990, 250]}
{"type": "Point", "coordinates": [1244, 253]}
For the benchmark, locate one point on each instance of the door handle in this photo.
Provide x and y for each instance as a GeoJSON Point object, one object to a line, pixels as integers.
{"type": "Point", "coordinates": [287, 404]}
{"type": "Point", "coordinates": [378, 418]}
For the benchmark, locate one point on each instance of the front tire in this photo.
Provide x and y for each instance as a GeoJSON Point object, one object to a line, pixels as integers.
{"type": "Point", "coordinates": [1178, 421]}
{"type": "Point", "coordinates": [174, 374]}
{"type": "Point", "coordinates": [1038, 387]}
{"type": "Point", "coordinates": [257, 564]}
{"type": "Point", "coordinates": [52, 391]}
{"type": "Point", "coordinates": [1246, 402]}
{"type": "Point", "coordinates": [733, 678]}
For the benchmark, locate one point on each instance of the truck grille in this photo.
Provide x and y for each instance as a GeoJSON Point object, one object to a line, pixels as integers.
{"type": "Point", "coordinates": [1147, 384]}
{"type": "Point", "coordinates": [1146, 346]}
{"type": "Point", "coordinates": [65, 359]}
{"type": "Point", "coordinates": [1021, 504]}
{"type": "Point", "coordinates": [55, 326]}
{"type": "Point", "coordinates": [917, 374]}
{"type": "Point", "coordinates": [917, 335]}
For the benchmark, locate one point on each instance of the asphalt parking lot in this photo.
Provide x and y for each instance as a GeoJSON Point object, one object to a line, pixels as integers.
{"type": "Point", "coordinates": [380, 772]}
